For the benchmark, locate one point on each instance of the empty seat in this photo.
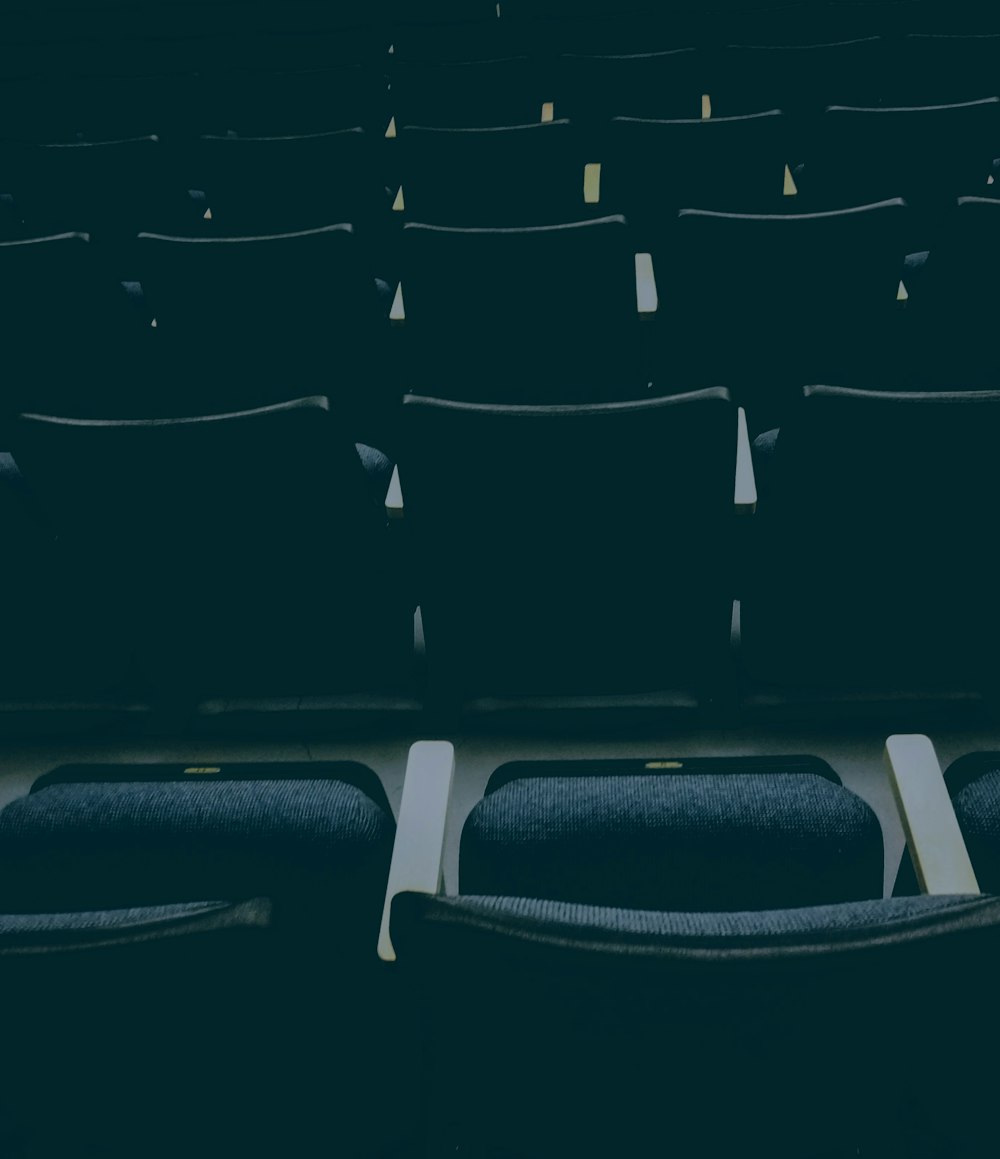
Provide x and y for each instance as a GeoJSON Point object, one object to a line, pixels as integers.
{"type": "Point", "coordinates": [505, 91]}
{"type": "Point", "coordinates": [769, 302]}
{"type": "Point", "coordinates": [243, 320]}
{"type": "Point", "coordinates": [448, 31]}
{"type": "Point", "coordinates": [853, 484]}
{"type": "Point", "coordinates": [554, 608]}
{"type": "Point", "coordinates": [928, 155]}
{"type": "Point", "coordinates": [521, 315]}
{"type": "Point", "coordinates": [108, 189]}
{"type": "Point", "coordinates": [119, 106]}
{"type": "Point", "coordinates": [804, 24]}
{"type": "Point", "coordinates": [63, 641]}
{"type": "Point", "coordinates": [272, 101]}
{"type": "Point", "coordinates": [293, 49]}
{"type": "Point", "coordinates": [243, 554]}
{"type": "Point", "coordinates": [510, 175]}
{"type": "Point", "coordinates": [599, 916]}
{"type": "Point", "coordinates": [698, 835]}
{"type": "Point", "coordinates": [71, 338]}
{"type": "Point", "coordinates": [952, 310]}
{"type": "Point", "coordinates": [931, 69]}
{"type": "Point", "coordinates": [264, 185]}
{"type": "Point", "coordinates": [654, 168]}
{"type": "Point", "coordinates": [154, 914]}
{"type": "Point", "coordinates": [974, 785]}
{"type": "Point", "coordinates": [654, 84]}
{"type": "Point", "coordinates": [637, 26]}
{"type": "Point", "coordinates": [799, 78]}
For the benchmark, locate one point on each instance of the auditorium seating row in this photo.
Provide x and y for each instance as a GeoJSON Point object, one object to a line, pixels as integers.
{"type": "Point", "coordinates": [365, 32]}
{"type": "Point", "coordinates": [267, 87]}
{"type": "Point", "coordinates": [572, 313]}
{"type": "Point", "coordinates": [533, 174]}
{"type": "Point", "coordinates": [241, 569]}
{"type": "Point", "coordinates": [630, 941]}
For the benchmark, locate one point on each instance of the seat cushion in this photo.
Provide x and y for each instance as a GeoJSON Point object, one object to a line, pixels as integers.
{"type": "Point", "coordinates": [977, 807]}
{"type": "Point", "coordinates": [675, 842]}
{"type": "Point", "coordinates": [104, 845]}
{"type": "Point", "coordinates": [641, 931]}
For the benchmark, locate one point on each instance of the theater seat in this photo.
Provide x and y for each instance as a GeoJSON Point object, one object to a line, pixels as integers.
{"type": "Point", "coordinates": [854, 483]}
{"type": "Point", "coordinates": [935, 68]}
{"type": "Point", "coordinates": [63, 642]}
{"type": "Point", "coordinates": [265, 185]}
{"type": "Point", "coordinates": [767, 302]}
{"type": "Point", "coordinates": [973, 782]}
{"type": "Point", "coordinates": [608, 908]}
{"type": "Point", "coordinates": [927, 155]}
{"type": "Point", "coordinates": [656, 167]}
{"type": "Point", "coordinates": [71, 337]}
{"type": "Point", "coordinates": [649, 84]}
{"type": "Point", "coordinates": [557, 501]}
{"type": "Point", "coordinates": [242, 321]}
{"type": "Point", "coordinates": [802, 79]}
{"type": "Point", "coordinates": [467, 93]}
{"type": "Point", "coordinates": [547, 30]}
{"type": "Point", "coordinates": [108, 189]}
{"type": "Point", "coordinates": [707, 835]}
{"type": "Point", "coordinates": [949, 322]}
{"type": "Point", "coordinates": [510, 175]}
{"type": "Point", "coordinates": [270, 101]}
{"type": "Point", "coordinates": [242, 554]}
{"type": "Point", "coordinates": [522, 315]}
{"type": "Point", "coordinates": [160, 918]}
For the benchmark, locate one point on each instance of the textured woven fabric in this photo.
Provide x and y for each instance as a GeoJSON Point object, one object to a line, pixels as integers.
{"type": "Point", "coordinates": [719, 929]}
{"type": "Point", "coordinates": [378, 468]}
{"type": "Point", "coordinates": [698, 1034]}
{"type": "Point", "coordinates": [714, 842]}
{"type": "Point", "coordinates": [61, 932]}
{"type": "Point", "coordinates": [977, 807]}
{"type": "Point", "coordinates": [101, 845]}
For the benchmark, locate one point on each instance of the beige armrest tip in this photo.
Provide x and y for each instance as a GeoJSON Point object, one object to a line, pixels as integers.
{"type": "Point", "coordinates": [592, 183]}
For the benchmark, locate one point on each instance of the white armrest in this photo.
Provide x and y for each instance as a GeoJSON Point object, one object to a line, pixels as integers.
{"type": "Point", "coordinates": [418, 854]}
{"type": "Point", "coordinates": [646, 298]}
{"type": "Point", "coordinates": [394, 496]}
{"type": "Point", "coordinates": [932, 834]}
{"type": "Point", "coordinates": [746, 484]}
